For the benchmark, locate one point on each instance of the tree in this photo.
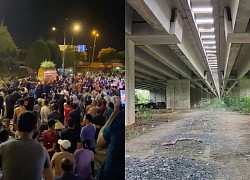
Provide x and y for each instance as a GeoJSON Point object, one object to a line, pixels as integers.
{"type": "Point", "coordinates": [81, 56]}
{"type": "Point", "coordinates": [8, 52]}
{"type": "Point", "coordinates": [107, 54]}
{"type": "Point", "coordinates": [69, 58]}
{"type": "Point", "coordinates": [121, 56]}
{"type": "Point", "coordinates": [37, 52]}
{"type": "Point", "coordinates": [55, 53]}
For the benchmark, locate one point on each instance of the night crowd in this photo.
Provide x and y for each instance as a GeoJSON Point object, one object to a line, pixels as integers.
{"type": "Point", "coordinates": [53, 130]}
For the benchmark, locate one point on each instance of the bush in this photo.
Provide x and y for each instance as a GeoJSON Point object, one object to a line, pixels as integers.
{"type": "Point", "coordinates": [213, 104]}
{"type": "Point", "coordinates": [233, 101]}
{"type": "Point", "coordinates": [237, 103]}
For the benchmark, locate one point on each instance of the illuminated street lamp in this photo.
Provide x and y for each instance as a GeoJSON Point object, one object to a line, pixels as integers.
{"type": "Point", "coordinates": [76, 28]}
{"type": "Point", "coordinates": [64, 48]}
{"type": "Point", "coordinates": [96, 35]}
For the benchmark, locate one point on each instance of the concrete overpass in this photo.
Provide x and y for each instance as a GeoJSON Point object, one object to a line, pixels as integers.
{"type": "Point", "coordinates": [186, 50]}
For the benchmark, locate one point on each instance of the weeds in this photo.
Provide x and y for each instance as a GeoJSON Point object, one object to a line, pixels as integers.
{"type": "Point", "coordinates": [213, 104]}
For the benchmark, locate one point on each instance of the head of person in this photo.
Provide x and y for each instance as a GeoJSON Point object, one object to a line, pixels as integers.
{"type": "Point", "coordinates": [51, 123]}
{"type": "Point", "coordinates": [27, 122]}
{"type": "Point", "coordinates": [86, 144]}
{"type": "Point", "coordinates": [94, 102]}
{"type": "Point", "coordinates": [68, 102]}
{"type": "Point", "coordinates": [67, 165]}
{"type": "Point", "coordinates": [104, 102]}
{"type": "Point", "coordinates": [64, 144]}
{"type": "Point", "coordinates": [71, 123]}
{"type": "Point", "coordinates": [99, 111]}
{"type": "Point", "coordinates": [88, 118]}
{"type": "Point", "coordinates": [55, 107]}
{"type": "Point", "coordinates": [74, 105]}
{"type": "Point", "coordinates": [111, 105]}
{"type": "Point", "coordinates": [46, 102]}
{"type": "Point", "coordinates": [39, 100]}
{"type": "Point", "coordinates": [21, 102]}
{"type": "Point", "coordinates": [4, 135]}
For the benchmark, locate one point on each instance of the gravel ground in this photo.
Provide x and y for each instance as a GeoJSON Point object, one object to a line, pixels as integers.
{"type": "Point", "coordinates": [167, 168]}
{"type": "Point", "coordinates": [213, 145]}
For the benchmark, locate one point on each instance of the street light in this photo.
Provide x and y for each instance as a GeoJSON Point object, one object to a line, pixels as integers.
{"type": "Point", "coordinates": [64, 48]}
{"type": "Point", "coordinates": [96, 35]}
{"type": "Point", "coordinates": [76, 28]}
{"type": "Point", "coordinates": [53, 29]}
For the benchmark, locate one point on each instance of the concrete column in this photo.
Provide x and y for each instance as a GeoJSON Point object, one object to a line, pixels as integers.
{"type": "Point", "coordinates": [205, 96]}
{"type": "Point", "coordinates": [195, 97]}
{"type": "Point", "coordinates": [152, 96]}
{"type": "Point", "coordinates": [158, 97]}
{"type": "Point", "coordinates": [129, 82]}
{"type": "Point", "coordinates": [178, 94]}
{"type": "Point", "coordinates": [244, 87]}
{"type": "Point", "coordinates": [163, 97]}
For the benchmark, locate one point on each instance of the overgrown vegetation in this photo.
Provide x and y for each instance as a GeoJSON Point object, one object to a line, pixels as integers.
{"type": "Point", "coordinates": [231, 101]}
{"type": "Point", "coordinates": [213, 104]}
{"type": "Point", "coordinates": [237, 103]}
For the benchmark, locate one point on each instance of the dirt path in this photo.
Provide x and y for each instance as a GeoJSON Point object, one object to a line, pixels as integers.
{"type": "Point", "coordinates": [218, 138]}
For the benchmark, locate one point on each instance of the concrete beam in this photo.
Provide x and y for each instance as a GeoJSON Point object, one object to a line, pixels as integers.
{"type": "Point", "coordinates": [144, 76]}
{"type": "Point", "coordinates": [157, 13]}
{"type": "Point", "coordinates": [144, 69]}
{"type": "Point", "coordinates": [164, 55]}
{"type": "Point", "coordinates": [152, 63]}
{"type": "Point", "coordinates": [240, 13]}
{"type": "Point", "coordinates": [128, 19]}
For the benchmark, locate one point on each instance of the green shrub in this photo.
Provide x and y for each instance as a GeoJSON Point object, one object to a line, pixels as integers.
{"type": "Point", "coordinates": [245, 105]}
{"type": "Point", "coordinates": [213, 104]}
{"type": "Point", "coordinates": [233, 101]}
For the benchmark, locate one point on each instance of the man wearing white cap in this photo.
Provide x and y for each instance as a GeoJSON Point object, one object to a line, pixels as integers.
{"type": "Point", "coordinates": [57, 157]}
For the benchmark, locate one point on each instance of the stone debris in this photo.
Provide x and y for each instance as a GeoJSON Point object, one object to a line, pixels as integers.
{"type": "Point", "coordinates": [180, 139]}
{"type": "Point", "coordinates": [155, 168]}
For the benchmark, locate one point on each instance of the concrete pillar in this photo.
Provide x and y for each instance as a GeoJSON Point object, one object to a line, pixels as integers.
{"type": "Point", "coordinates": [205, 96]}
{"type": "Point", "coordinates": [195, 97]}
{"type": "Point", "coordinates": [129, 82]}
{"type": "Point", "coordinates": [158, 97]}
{"type": "Point", "coordinates": [152, 96]}
{"type": "Point", "coordinates": [178, 94]}
{"type": "Point", "coordinates": [244, 87]}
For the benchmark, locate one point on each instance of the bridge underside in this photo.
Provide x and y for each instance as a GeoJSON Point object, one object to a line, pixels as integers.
{"type": "Point", "coordinates": [184, 51]}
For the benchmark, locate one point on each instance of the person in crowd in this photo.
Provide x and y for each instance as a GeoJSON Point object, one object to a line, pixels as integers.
{"type": "Point", "coordinates": [113, 135]}
{"type": "Point", "coordinates": [60, 103]}
{"type": "Point", "coordinates": [45, 110]}
{"type": "Point", "coordinates": [10, 102]}
{"type": "Point", "coordinates": [55, 114]}
{"type": "Point", "coordinates": [107, 113]}
{"type": "Point", "coordinates": [37, 109]}
{"type": "Point", "coordinates": [88, 132]}
{"type": "Point", "coordinates": [107, 98]}
{"type": "Point", "coordinates": [98, 121]}
{"type": "Point", "coordinates": [23, 158]}
{"type": "Point", "coordinates": [93, 110]}
{"type": "Point", "coordinates": [2, 103]}
{"type": "Point", "coordinates": [67, 168]}
{"type": "Point", "coordinates": [30, 102]}
{"type": "Point", "coordinates": [50, 138]}
{"type": "Point", "coordinates": [88, 104]}
{"type": "Point", "coordinates": [4, 135]}
{"type": "Point", "coordinates": [67, 109]}
{"type": "Point", "coordinates": [58, 156]}
{"type": "Point", "coordinates": [103, 106]}
{"type": "Point", "coordinates": [71, 135]}
{"type": "Point", "coordinates": [75, 115]}
{"type": "Point", "coordinates": [17, 112]}
{"type": "Point", "coordinates": [84, 161]}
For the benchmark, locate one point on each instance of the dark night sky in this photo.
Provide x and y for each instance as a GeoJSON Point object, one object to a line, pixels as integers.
{"type": "Point", "coordinates": [28, 20]}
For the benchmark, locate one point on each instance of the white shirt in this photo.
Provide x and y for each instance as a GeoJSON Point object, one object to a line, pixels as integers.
{"type": "Point", "coordinates": [44, 114]}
